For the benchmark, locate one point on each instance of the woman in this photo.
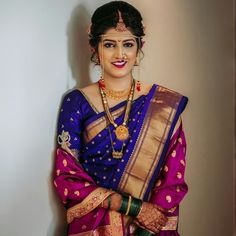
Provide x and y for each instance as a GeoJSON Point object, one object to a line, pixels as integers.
{"type": "Point", "coordinates": [120, 158]}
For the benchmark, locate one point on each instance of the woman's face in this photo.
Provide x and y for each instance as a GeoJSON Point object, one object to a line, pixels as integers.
{"type": "Point", "coordinates": [117, 53]}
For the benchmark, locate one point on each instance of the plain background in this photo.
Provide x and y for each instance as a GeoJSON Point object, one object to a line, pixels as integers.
{"type": "Point", "coordinates": [43, 47]}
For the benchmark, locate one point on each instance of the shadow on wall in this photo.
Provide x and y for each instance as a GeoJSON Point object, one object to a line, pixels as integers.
{"type": "Point", "coordinates": [78, 47]}
{"type": "Point", "coordinates": [58, 224]}
{"type": "Point", "coordinates": [79, 61]}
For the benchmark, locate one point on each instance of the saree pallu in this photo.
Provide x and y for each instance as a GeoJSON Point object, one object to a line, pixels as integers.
{"type": "Point", "coordinates": [152, 167]}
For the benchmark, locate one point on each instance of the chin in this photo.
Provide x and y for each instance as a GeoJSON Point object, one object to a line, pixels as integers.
{"type": "Point", "coordinates": [119, 76]}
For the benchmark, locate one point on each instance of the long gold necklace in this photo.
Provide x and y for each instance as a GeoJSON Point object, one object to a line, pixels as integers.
{"type": "Point", "coordinates": [115, 153]}
{"type": "Point", "coordinates": [121, 131]}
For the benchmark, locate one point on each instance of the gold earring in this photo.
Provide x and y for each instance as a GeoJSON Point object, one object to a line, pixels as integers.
{"type": "Point", "coordinates": [138, 59]}
{"type": "Point", "coordinates": [96, 59]}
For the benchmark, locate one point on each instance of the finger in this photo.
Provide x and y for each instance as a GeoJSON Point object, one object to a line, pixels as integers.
{"type": "Point", "coordinates": [161, 209]}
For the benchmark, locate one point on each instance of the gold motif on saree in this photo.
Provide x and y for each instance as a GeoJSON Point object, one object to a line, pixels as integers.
{"type": "Point", "coordinates": [64, 162]}
{"type": "Point", "coordinates": [102, 230]}
{"type": "Point", "coordinates": [65, 191]}
{"type": "Point", "coordinates": [182, 162]}
{"type": "Point", "coordinates": [64, 139]}
{"type": "Point", "coordinates": [88, 204]}
{"type": "Point", "coordinates": [116, 223]}
{"type": "Point", "coordinates": [168, 198]}
{"type": "Point", "coordinates": [179, 175]}
{"type": "Point", "coordinates": [173, 154]}
{"type": "Point", "coordinates": [77, 193]}
{"type": "Point", "coordinates": [58, 172]}
{"type": "Point", "coordinates": [166, 168]}
{"type": "Point", "coordinates": [171, 223]}
{"type": "Point", "coordinates": [158, 183]}
{"type": "Point", "coordinates": [113, 229]}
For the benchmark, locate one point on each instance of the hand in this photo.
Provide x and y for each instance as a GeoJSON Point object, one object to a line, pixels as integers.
{"type": "Point", "coordinates": [151, 217]}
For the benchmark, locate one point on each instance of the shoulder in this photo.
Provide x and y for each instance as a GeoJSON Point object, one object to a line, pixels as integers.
{"type": "Point", "coordinates": [170, 97]}
{"type": "Point", "coordinates": [72, 94]}
{"type": "Point", "coordinates": [90, 90]}
{"type": "Point", "coordinates": [169, 91]}
{"type": "Point", "coordinates": [72, 99]}
{"type": "Point", "coordinates": [145, 88]}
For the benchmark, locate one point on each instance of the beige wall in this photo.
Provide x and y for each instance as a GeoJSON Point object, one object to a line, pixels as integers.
{"type": "Point", "coordinates": [189, 48]}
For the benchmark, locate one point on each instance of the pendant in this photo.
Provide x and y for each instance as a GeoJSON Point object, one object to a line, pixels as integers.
{"type": "Point", "coordinates": [117, 155]}
{"type": "Point", "coordinates": [122, 132]}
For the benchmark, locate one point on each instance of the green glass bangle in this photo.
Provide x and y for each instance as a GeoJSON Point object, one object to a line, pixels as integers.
{"type": "Point", "coordinates": [135, 207]}
{"type": "Point", "coordinates": [124, 205]}
{"type": "Point", "coordinates": [143, 232]}
{"type": "Point", "coordinates": [109, 201]}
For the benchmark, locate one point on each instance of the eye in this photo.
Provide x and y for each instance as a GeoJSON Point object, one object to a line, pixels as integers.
{"type": "Point", "coordinates": [128, 45]}
{"type": "Point", "coordinates": [109, 45]}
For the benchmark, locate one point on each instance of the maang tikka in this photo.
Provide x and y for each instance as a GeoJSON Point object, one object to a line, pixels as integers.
{"type": "Point", "coordinates": [120, 27]}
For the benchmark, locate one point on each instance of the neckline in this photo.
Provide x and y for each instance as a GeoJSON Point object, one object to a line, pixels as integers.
{"type": "Point", "coordinates": [118, 105]}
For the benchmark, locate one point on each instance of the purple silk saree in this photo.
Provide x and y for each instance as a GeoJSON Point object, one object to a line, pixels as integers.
{"type": "Point", "coordinates": [152, 167]}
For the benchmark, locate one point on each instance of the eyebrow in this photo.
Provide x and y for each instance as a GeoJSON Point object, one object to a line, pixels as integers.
{"type": "Point", "coordinates": [126, 40]}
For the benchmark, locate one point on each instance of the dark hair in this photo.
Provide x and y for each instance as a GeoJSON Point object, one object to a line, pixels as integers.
{"type": "Point", "coordinates": [107, 16]}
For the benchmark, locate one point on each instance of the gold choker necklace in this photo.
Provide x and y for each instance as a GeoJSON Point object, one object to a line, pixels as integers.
{"type": "Point", "coordinates": [117, 95]}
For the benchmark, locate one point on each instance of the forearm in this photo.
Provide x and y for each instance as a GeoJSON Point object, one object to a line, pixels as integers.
{"type": "Point", "coordinates": [114, 203]}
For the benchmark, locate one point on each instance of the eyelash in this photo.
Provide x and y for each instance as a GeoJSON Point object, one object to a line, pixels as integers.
{"type": "Point", "coordinates": [129, 45]}
{"type": "Point", "coordinates": [126, 45]}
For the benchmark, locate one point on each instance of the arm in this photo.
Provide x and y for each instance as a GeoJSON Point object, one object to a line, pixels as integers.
{"type": "Point", "coordinates": [73, 185]}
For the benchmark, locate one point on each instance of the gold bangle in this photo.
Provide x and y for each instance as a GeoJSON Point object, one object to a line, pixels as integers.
{"type": "Point", "coordinates": [129, 205]}
{"type": "Point", "coordinates": [140, 210]}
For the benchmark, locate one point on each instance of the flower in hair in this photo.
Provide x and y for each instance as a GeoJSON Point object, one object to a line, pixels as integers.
{"type": "Point", "coordinates": [89, 30]}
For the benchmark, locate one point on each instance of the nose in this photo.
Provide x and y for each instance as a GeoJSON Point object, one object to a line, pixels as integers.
{"type": "Point", "coordinates": [119, 52]}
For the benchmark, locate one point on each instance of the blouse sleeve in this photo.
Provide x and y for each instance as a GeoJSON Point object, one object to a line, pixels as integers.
{"type": "Point", "coordinates": [171, 187]}
{"type": "Point", "coordinates": [75, 187]}
{"type": "Point", "coordinates": [69, 124]}
{"type": "Point", "coordinates": [72, 183]}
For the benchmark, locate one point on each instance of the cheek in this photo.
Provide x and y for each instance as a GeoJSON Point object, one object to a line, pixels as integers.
{"type": "Point", "coordinates": [105, 55]}
{"type": "Point", "coordinates": [133, 57]}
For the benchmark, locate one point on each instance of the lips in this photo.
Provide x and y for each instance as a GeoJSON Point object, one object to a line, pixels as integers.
{"type": "Point", "coordinates": [119, 64]}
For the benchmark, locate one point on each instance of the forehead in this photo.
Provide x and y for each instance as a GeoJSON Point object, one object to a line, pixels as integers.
{"type": "Point", "coordinates": [115, 35]}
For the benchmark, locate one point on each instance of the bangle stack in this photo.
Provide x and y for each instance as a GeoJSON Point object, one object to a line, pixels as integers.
{"type": "Point", "coordinates": [130, 206]}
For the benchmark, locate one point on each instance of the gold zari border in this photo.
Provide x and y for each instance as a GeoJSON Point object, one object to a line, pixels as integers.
{"type": "Point", "coordinates": [171, 223]}
{"type": "Point", "coordinates": [98, 125]}
{"type": "Point", "coordinates": [113, 229]}
{"type": "Point", "coordinates": [150, 143]}
{"type": "Point", "coordinates": [88, 204]}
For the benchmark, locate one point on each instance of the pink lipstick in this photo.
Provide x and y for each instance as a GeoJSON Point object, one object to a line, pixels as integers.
{"type": "Point", "coordinates": [119, 64]}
